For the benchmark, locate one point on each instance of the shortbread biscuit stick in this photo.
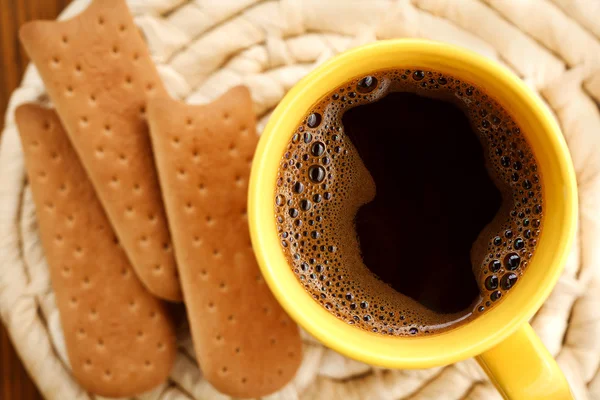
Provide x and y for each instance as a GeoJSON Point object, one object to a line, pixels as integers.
{"type": "Point", "coordinates": [246, 344]}
{"type": "Point", "coordinates": [119, 337]}
{"type": "Point", "coordinates": [99, 75]}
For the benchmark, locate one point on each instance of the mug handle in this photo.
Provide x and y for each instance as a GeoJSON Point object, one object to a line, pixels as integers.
{"type": "Point", "coordinates": [521, 368]}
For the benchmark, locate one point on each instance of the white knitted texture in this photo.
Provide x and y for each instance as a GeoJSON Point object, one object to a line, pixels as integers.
{"type": "Point", "coordinates": [204, 47]}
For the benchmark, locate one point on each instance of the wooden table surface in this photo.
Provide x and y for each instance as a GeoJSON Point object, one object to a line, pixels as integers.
{"type": "Point", "coordinates": [15, 384]}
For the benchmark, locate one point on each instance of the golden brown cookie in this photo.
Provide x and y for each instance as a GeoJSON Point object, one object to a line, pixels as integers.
{"type": "Point", "coordinates": [99, 75]}
{"type": "Point", "coordinates": [247, 346]}
{"type": "Point", "coordinates": [119, 338]}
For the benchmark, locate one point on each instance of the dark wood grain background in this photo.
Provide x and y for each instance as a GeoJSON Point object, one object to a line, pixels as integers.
{"type": "Point", "coordinates": [15, 384]}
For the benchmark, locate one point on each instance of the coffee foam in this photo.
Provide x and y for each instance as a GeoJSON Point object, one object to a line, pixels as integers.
{"type": "Point", "coordinates": [322, 182]}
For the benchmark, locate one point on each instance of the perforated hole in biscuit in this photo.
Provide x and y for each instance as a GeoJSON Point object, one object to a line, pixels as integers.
{"type": "Point", "coordinates": [195, 156]}
{"type": "Point", "coordinates": [233, 151]}
{"type": "Point", "coordinates": [114, 181]}
{"type": "Point", "coordinates": [197, 241]}
{"type": "Point", "coordinates": [239, 181]}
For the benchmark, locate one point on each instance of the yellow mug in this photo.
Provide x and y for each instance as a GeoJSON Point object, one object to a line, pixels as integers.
{"type": "Point", "coordinates": [502, 340]}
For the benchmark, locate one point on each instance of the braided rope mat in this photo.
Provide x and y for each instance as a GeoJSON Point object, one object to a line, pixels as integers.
{"type": "Point", "coordinates": [204, 47]}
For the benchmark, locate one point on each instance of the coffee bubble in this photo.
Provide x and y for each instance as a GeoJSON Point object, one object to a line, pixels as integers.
{"type": "Point", "coordinates": [366, 85]}
{"type": "Point", "coordinates": [313, 120]}
{"type": "Point", "coordinates": [317, 149]}
{"type": "Point", "coordinates": [508, 280]}
{"type": "Point", "coordinates": [316, 173]}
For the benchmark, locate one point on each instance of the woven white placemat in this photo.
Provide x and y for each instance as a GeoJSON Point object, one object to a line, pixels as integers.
{"type": "Point", "coordinates": [204, 47]}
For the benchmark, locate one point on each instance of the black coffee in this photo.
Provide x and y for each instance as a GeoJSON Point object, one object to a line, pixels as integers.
{"type": "Point", "coordinates": [408, 201]}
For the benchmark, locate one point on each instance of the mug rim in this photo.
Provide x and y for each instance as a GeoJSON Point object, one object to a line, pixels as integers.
{"type": "Point", "coordinates": [484, 331]}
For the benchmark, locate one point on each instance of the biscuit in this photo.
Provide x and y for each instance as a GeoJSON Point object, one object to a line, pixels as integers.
{"type": "Point", "coordinates": [99, 75]}
{"type": "Point", "coordinates": [247, 346]}
{"type": "Point", "coordinates": [119, 337]}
